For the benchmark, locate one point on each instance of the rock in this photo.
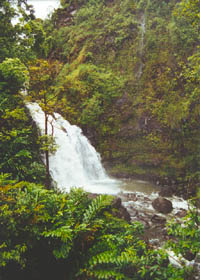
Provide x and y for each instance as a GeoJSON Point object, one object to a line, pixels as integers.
{"type": "Point", "coordinates": [182, 213]}
{"type": "Point", "coordinates": [93, 195]}
{"type": "Point", "coordinates": [132, 196]}
{"type": "Point", "coordinates": [122, 212]}
{"type": "Point", "coordinates": [117, 202]}
{"type": "Point", "coordinates": [162, 205]}
{"type": "Point", "coordinates": [154, 242]}
{"type": "Point", "coordinates": [189, 256]}
{"type": "Point", "coordinates": [147, 199]}
{"type": "Point", "coordinates": [133, 212]}
{"type": "Point", "coordinates": [158, 219]}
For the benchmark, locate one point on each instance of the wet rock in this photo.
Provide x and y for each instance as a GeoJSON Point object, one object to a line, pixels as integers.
{"type": "Point", "coordinates": [122, 212]}
{"type": "Point", "coordinates": [117, 202]}
{"type": "Point", "coordinates": [154, 242]}
{"type": "Point", "coordinates": [92, 195]}
{"type": "Point", "coordinates": [162, 205]}
{"type": "Point", "coordinates": [147, 199]}
{"type": "Point", "coordinates": [189, 256]}
{"type": "Point", "coordinates": [132, 196]}
{"type": "Point", "coordinates": [182, 213]}
{"type": "Point", "coordinates": [133, 212]}
{"type": "Point", "coordinates": [158, 219]}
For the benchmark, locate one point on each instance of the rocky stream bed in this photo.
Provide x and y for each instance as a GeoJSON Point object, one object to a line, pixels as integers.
{"type": "Point", "coordinates": [153, 211]}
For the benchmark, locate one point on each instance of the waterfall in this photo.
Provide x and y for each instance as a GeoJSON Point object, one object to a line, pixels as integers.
{"type": "Point", "coordinates": [76, 162]}
{"type": "Point", "coordinates": [143, 30]}
{"type": "Point", "coordinates": [141, 47]}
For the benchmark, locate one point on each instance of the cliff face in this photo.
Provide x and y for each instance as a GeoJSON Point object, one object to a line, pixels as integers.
{"type": "Point", "coordinates": [126, 83]}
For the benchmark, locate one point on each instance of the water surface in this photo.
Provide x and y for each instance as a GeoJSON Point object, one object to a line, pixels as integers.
{"type": "Point", "coordinates": [145, 187]}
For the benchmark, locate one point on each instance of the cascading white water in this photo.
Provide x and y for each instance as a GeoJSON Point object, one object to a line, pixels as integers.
{"type": "Point", "coordinates": [75, 163]}
{"type": "Point", "coordinates": [143, 30]}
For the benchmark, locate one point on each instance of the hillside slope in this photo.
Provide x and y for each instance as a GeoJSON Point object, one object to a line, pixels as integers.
{"type": "Point", "coordinates": [130, 81]}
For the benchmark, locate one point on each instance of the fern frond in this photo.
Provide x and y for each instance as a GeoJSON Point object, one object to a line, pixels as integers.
{"type": "Point", "coordinates": [104, 274]}
{"type": "Point", "coordinates": [65, 233]}
{"type": "Point", "coordinates": [109, 274]}
{"type": "Point", "coordinates": [96, 206]}
{"type": "Point", "coordinates": [112, 258]}
{"type": "Point", "coordinates": [105, 257]}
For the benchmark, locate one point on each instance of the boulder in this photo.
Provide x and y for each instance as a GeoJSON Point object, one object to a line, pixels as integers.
{"type": "Point", "coordinates": [162, 205]}
{"type": "Point", "coordinates": [117, 202]}
{"type": "Point", "coordinates": [132, 197]}
{"type": "Point", "coordinates": [189, 255]}
{"type": "Point", "coordinates": [121, 212]}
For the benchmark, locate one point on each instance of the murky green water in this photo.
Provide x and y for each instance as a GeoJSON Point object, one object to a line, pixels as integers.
{"type": "Point", "coordinates": [138, 186]}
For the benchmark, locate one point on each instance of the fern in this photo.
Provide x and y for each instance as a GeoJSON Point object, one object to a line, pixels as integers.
{"type": "Point", "coordinates": [105, 257]}
{"type": "Point", "coordinates": [96, 206]}
{"type": "Point", "coordinates": [106, 274]}
{"type": "Point", "coordinates": [87, 241]}
{"type": "Point", "coordinates": [64, 233]}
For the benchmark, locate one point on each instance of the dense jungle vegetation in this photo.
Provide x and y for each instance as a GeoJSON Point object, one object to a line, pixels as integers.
{"type": "Point", "coordinates": [128, 73]}
{"type": "Point", "coordinates": [130, 79]}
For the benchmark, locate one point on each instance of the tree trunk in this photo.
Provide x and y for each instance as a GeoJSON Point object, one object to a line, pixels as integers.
{"type": "Point", "coordinates": [47, 180]}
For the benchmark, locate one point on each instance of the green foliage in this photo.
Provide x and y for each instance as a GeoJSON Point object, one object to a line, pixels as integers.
{"type": "Point", "coordinates": [146, 126]}
{"type": "Point", "coordinates": [87, 92]}
{"type": "Point", "coordinates": [96, 206]}
{"type": "Point", "coordinates": [101, 43]}
{"type": "Point", "coordinates": [164, 97]}
{"type": "Point", "coordinates": [42, 90]}
{"type": "Point", "coordinates": [42, 83]}
{"type": "Point", "coordinates": [185, 242]}
{"type": "Point", "coordinates": [187, 234]}
{"type": "Point", "coordinates": [13, 39]}
{"type": "Point", "coordinates": [47, 143]}
{"type": "Point", "coordinates": [18, 149]}
{"type": "Point", "coordinates": [13, 74]}
{"type": "Point", "coordinates": [191, 10]}
{"type": "Point", "coordinates": [80, 237]}
{"type": "Point", "coordinates": [97, 26]}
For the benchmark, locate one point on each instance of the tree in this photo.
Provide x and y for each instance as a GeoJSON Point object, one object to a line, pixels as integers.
{"type": "Point", "coordinates": [42, 90]}
{"type": "Point", "coordinates": [18, 152]}
{"type": "Point", "coordinates": [13, 75]}
{"type": "Point", "coordinates": [190, 9]}
{"type": "Point", "coordinates": [18, 149]}
{"type": "Point", "coordinates": [13, 39]}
